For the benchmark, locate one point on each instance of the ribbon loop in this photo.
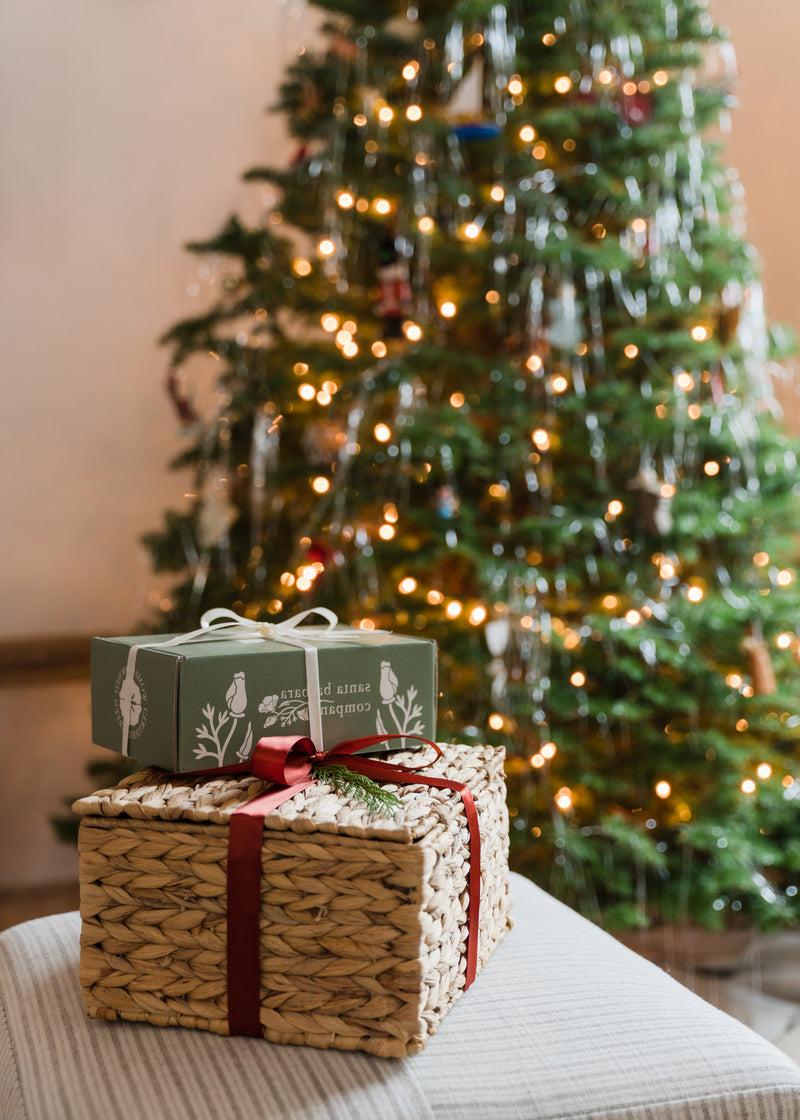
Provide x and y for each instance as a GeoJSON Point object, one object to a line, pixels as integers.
{"type": "Point", "coordinates": [283, 759]}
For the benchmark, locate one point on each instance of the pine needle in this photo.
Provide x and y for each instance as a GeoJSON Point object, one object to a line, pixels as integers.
{"type": "Point", "coordinates": [358, 787]}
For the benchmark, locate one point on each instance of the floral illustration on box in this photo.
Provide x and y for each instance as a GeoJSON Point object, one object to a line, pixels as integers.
{"type": "Point", "coordinates": [405, 712]}
{"type": "Point", "coordinates": [210, 741]}
{"type": "Point", "coordinates": [283, 712]}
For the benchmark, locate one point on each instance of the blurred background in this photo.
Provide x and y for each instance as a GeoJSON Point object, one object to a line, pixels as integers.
{"type": "Point", "coordinates": [125, 128]}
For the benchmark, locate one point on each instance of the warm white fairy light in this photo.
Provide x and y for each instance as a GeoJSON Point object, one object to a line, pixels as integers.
{"type": "Point", "coordinates": [359, 120]}
{"type": "Point", "coordinates": [615, 507]}
{"type": "Point", "coordinates": [662, 789]}
{"type": "Point", "coordinates": [434, 597]}
{"type": "Point", "coordinates": [382, 432]}
{"type": "Point", "coordinates": [345, 200]}
{"type": "Point", "coordinates": [515, 85]}
{"type": "Point", "coordinates": [578, 678]}
{"type": "Point", "coordinates": [534, 363]}
{"type": "Point", "coordinates": [414, 112]}
{"type": "Point", "coordinates": [326, 247]}
{"type": "Point", "coordinates": [386, 532]}
{"type": "Point", "coordinates": [323, 398]}
{"type": "Point", "coordinates": [537, 761]}
{"type": "Point", "coordinates": [610, 602]}
{"type": "Point", "coordinates": [527, 134]}
{"type": "Point", "coordinates": [382, 206]}
{"type": "Point", "coordinates": [385, 114]}
{"type": "Point", "coordinates": [548, 750]}
{"type": "Point", "coordinates": [631, 350]}
{"type": "Point", "coordinates": [410, 70]}
{"type": "Point", "coordinates": [497, 193]}
{"type": "Point", "coordinates": [660, 78]}
{"type": "Point", "coordinates": [748, 786]}
{"type": "Point", "coordinates": [563, 799]}
{"type": "Point", "coordinates": [633, 617]}
{"type": "Point", "coordinates": [700, 333]}
{"type": "Point", "coordinates": [761, 559]}
{"type": "Point", "coordinates": [492, 297]}
{"type": "Point", "coordinates": [407, 585]}
{"type": "Point", "coordinates": [684, 381]}
{"type": "Point", "coordinates": [694, 411]}
{"type": "Point", "coordinates": [447, 309]}
{"type": "Point", "coordinates": [453, 608]}
{"type": "Point", "coordinates": [784, 640]}
{"type": "Point", "coordinates": [605, 77]}
{"type": "Point", "coordinates": [320, 484]}
{"type": "Point", "coordinates": [711, 468]}
{"type": "Point", "coordinates": [390, 512]}
{"type": "Point", "coordinates": [541, 439]}
{"type": "Point", "coordinates": [784, 577]}
{"type": "Point", "coordinates": [301, 266]}
{"type": "Point", "coordinates": [562, 84]}
{"type": "Point", "coordinates": [412, 331]}
{"type": "Point", "coordinates": [306, 391]}
{"type": "Point", "coordinates": [350, 349]}
{"type": "Point", "coordinates": [694, 593]}
{"type": "Point", "coordinates": [329, 322]}
{"type": "Point", "coordinates": [426, 224]}
{"type": "Point", "coordinates": [457, 400]}
{"type": "Point", "coordinates": [472, 231]}
{"type": "Point", "coordinates": [378, 349]}
{"type": "Point", "coordinates": [477, 615]}
{"type": "Point", "coordinates": [763, 771]}
{"type": "Point", "coordinates": [559, 384]}
{"type": "Point", "coordinates": [495, 721]}
{"type": "Point", "coordinates": [734, 680]}
{"type": "Point", "coordinates": [666, 569]}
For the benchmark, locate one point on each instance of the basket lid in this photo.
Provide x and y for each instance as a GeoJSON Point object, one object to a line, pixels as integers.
{"type": "Point", "coordinates": [158, 795]}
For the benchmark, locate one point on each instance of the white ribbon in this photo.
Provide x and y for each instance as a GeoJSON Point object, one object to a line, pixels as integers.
{"type": "Point", "coordinates": [221, 624]}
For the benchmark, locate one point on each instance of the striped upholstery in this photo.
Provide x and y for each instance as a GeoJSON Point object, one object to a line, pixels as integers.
{"type": "Point", "coordinates": [564, 1023]}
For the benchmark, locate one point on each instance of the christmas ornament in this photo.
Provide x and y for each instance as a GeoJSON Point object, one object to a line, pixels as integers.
{"type": "Point", "coordinates": [654, 501]}
{"type": "Point", "coordinates": [762, 671]}
{"type": "Point", "coordinates": [447, 502]}
{"type": "Point", "coordinates": [321, 440]}
{"type": "Point", "coordinates": [566, 316]}
{"type": "Point", "coordinates": [394, 302]}
{"type": "Point", "coordinates": [637, 108]}
{"type": "Point", "coordinates": [496, 634]}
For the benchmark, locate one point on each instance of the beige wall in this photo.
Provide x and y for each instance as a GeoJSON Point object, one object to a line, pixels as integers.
{"type": "Point", "coordinates": [125, 127]}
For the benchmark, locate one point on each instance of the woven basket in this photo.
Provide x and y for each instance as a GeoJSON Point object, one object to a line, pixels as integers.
{"type": "Point", "coordinates": [363, 918]}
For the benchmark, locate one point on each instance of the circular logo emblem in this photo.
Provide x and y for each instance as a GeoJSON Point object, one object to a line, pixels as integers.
{"type": "Point", "coordinates": [130, 699]}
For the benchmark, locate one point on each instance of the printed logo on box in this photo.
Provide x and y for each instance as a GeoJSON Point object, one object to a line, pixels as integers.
{"type": "Point", "coordinates": [130, 698]}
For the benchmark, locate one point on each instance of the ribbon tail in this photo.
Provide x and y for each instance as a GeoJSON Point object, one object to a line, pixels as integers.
{"type": "Point", "coordinates": [386, 772]}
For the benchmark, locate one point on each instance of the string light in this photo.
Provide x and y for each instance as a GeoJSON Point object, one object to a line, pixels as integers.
{"type": "Point", "coordinates": [326, 247]}
{"type": "Point", "coordinates": [434, 597]}
{"type": "Point", "coordinates": [548, 750]}
{"type": "Point", "coordinates": [694, 593]}
{"type": "Point", "coordinates": [407, 585]}
{"type": "Point", "coordinates": [472, 231]}
{"type": "Point", "coordinates": [345, 200]}
{"type": "Point", "coordinates": [477, 615]}
{"type": "Point", "coordinates": [578, 678]}
{"type": "Point", "coordinates": [742, 725]}
{"type": "Point", "coordinates": [412, 331]}
{"type": "Point", "coordinates": [359, 120]}
{"type": "Point", "coordinates": [426, 225]}
{"type": "Point", "coordinates": [306, 391]}
{"type": "Point", "coordinates": [662, 789]}
{"type": "Point", "coordinates": [382, 433]}
{"type": "Point", "coordinates": [410, 70]}
{"type": "Point", "coordinates": [684, 381]}
{"type": "Point", "coordinates": [379, 349]}
{"type": "Point", "coordinates": [414, 112]}
{"type": "Point", "coordinates": [748, 786]}
{"type": "Point", "coordinates": [390, 512]}
{"type": "Point", "coordinates": [761, 559]}
{"type": "Point", "coordinates": [734, 680]}
{"type": "Point", "coordinates": [562, 84]}
{"type": "Point", "coordinates": [541, 439]}
{"type": "Point", "coordinates": [385, 114]}
{"type": "Point", "coordinates": [711, 468]}
{"type": "Point", "coordinates": [784, 641]}
{"type": "Point", "coordinates": [386, 532]}
{"type": "Point", "coordinates": [457, 400]}
{"type": "Point", "coordinates": [447, 309]}
{"type": "Point", "coordinates": [515, 86]}
{"type": "Point", "coordinates": [492, 296]}
{"type": "Point", "coordinates": [320, 484]}
{"type": "Point", "coordinates": [631, 351]}
{"type": "Point", "coordinates": [563, 799]}
{"type": "Point", "coordinates": [764, 771]}
{"type": "Point", "coordinates": [453, 608]}
{"type": "Point", "coordinates": [784, 577]}
{"type": "Point", "coordinates": [559, 384]}
{"type": "Point", "coordinates": [301, 267]}
{"type": "Point", "coordinates": [382, 206]}
{"type": "Point", "coordinates": [660, 78]}
{"type": "Point", "coordinates": [615, 507]}
{"type": "Point", "coordinates": [537, 761]}
{"type": "Point", "coordinates": [700, 333]}
{"type": "Point", "coordinates": [605, 77]}
{"type": "Point", "coordinates": [527, 134]}
{"type": "Point", "coordinates": [534, 363]}
{"type": "Point", "coordinates": [610, 602]}
{"type": "Point", "coordinates": [497, 193]}
{"type": "Point", "coordinates": [496, 721]}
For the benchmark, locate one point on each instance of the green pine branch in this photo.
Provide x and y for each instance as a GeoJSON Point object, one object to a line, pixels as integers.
{"type": "Point", "coordinates": [358, 787]}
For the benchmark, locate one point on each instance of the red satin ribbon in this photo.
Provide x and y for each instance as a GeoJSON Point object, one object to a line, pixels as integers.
{"type": "Point", "coordinates": [289, 762]}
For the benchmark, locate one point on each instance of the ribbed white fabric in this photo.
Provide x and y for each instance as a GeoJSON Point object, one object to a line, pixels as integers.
{"type": "Point", "coordinates": [563, 1024]}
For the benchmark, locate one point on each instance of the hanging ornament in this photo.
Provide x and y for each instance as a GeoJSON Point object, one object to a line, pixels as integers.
{"type": "Point", "coordinates": [394, 302]}
{"type": "Point", "coordinates": [654, 500]}
{"type": "Point", "coordinates": [761, 668]}
{"type": "Point", "coordinates": [496, 634]}
{"type": "Point", "coordinates": [466, 109]}
{"type": "Point", "coordinates": [564, 331]}
{"type": "Point", "coordinates": [181, 401]}
{"type": "Point", "coordinates": [317, 552]}
{"type": "Point", "coordinates": [322, 440]}
{"type": "Point", "coordinates": [637, 108]}
{"type": "Point", "coordinates": [216, 512]}
{"type": "Point", "coordinates": [447, 502]}
{"type": "Point", "coordinates": [730, 312]}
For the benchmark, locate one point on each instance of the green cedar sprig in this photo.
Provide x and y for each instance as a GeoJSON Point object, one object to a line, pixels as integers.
{"type": "Point", "coordinates": [358, 787]}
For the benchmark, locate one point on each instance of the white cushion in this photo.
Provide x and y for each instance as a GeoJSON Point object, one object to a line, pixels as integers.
{"type": "Point", "coordinates": [563, 1023]}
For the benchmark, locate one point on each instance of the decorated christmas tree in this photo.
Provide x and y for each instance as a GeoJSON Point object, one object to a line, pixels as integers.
{"type": "Point", "coordinates": [494, 368]}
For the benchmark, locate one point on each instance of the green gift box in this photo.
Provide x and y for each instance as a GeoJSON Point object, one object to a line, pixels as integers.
{"type": "Point", "coordinates": [201, 700]}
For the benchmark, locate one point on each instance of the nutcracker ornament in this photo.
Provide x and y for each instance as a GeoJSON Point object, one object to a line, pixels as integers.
{"type": "Point", "coordinates": [394, 301]}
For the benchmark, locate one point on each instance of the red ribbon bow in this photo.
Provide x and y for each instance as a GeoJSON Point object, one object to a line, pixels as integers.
{"type": "Point", "coordinates": [294, 764]}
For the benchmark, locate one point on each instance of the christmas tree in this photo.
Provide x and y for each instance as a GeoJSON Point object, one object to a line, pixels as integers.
{"type": "Point", "coordinates": [494, 368]}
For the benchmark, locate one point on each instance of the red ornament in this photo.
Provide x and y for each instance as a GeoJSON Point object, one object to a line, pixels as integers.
{"type": "Point", "coordinates": [637, 108]}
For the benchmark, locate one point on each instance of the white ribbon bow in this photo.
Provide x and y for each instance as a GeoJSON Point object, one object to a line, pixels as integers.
{"type": "Point", "coordinates": [221, 624]}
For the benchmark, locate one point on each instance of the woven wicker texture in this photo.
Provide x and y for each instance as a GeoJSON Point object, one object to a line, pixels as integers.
{"type": "Point", "coordinates": [363, 918]}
